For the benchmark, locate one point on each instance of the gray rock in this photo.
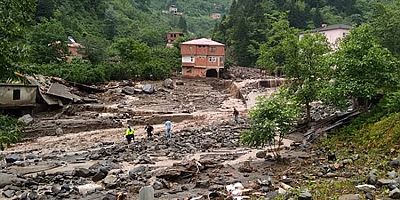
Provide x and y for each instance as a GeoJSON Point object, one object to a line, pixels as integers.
{"type": "Point", "coordinates": [148, 89]}
{"type": "Point", "coordinates": [392, 175]}
{"type": "Point", "coordinates": [261, 154]}
{"type": "Point", "coordinates": [383, 182]}
{"type": "Point", "coordinates": [9, 193]}
{"type": "Point", "coordinates": [216, 188]}
{"type": "Point", "coordinates": [372, 177]}
{"type": "Point", "coordinates": [266, 182]}
{"type": "Point", "coordinates": [55, 189]}
{"type": "Point", "coordinates": [59, 131]}
{"type": "Point", "coordinates": [31, 156]}
{"type": "Point", "coordinates": [350, 197]}
{"type": "Point", "coordinates": [157, 185]}
{"type": "Point", "coordinates": [9, 179]}
{"type": "Point", "coordinates": [366, 188]}
{"type": "Point", "coordinates": [395, 163]}
{"type": "Point", "coordinates": [137, 171]}
{"type": "Point", "coordinates": [203, 184]}
{"type": "Point", "coordinates": [305, 195]}
{"type": "Point", "coordinates": [271, 195]}
{"type": "Point", "coordinates": [12, 158]}
{"type": "Point", "coordinates": [128, 90]}
{"type": "Point", "coordinates": [369, 196]}
{"type": "Point", "coordinates": [99, 176]}
{"type": "Point", "coordinates": [26, 119]}
{"type": "Point", "coordinates": [146, 193]}
{"type": "Point", "coordinates": [395, 194]}
{"type": "Point", "coordinates": [110, 181]}
{"type": "Point", "coordinates": [89, 188]}
{"type": "Point", "coordinates": [82, 172]}
{"type": "Point", "coordinates": [169, 83]}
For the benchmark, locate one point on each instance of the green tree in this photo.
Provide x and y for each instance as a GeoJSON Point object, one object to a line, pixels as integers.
{"type": "Point", "coordinates": [363, 68]}
{"type": "Point", "coordinates": [385, 24]}
{"type": "Point", "coordinates": [182, 24]}
{"type": "Point", "coordinates": [307, 69]}
{"type": "Point", "coordinates": [132, 50]}
{"type": "Point", "coordinates": [14, 17]}
{"type": "Point", "coordinates": [270, 120]}
{"type": "Point", "coordinates": [302, 61]}
{"type": "Point", "coordinates": [282, 38]}
{"type": "Point", "coordinates": [47, 42]}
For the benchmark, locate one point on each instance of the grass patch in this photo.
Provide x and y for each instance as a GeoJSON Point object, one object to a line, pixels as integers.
{"type": "Point", "coordinates": [331, 189]}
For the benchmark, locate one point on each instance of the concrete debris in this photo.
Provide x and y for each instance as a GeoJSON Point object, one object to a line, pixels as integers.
{"type": "Point", "coordinates": [26, 119]}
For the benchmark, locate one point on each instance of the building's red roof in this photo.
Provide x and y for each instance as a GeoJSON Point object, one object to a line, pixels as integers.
{"type": "Point", "coordinates": [203, 41]}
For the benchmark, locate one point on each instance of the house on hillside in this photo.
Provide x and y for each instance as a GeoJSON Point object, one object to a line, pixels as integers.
{"type": "Point", "coordinates": [172, 36]}
{"type": "Point", "coordinates": [74, 49]}
{"type": "Point", "coordinates": [173, 9]}
{"type": "Point", "coordinates": [202, 58]}
{"type": "Point", "coordinates": [333, 33]}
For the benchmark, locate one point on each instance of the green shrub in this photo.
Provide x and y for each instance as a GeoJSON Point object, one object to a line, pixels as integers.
{"type": "Point", "coordinates": [10, 131]}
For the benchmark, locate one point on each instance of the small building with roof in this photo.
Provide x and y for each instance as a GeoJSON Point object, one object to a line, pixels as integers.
{"type": "Point", "coordinates": [172, 36]}
{"type": "Point", "coordinates": [333, 33]}
{"type": "Point", "coordinates": [202, 58]}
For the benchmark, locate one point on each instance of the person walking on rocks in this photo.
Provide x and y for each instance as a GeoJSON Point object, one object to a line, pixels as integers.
{"type": "Point", "coordinates": [168, 128]}
{"type": "Point", "coordinates": [236, 115]}
{"type": "Point", "coordinates": [149, 129]}
{"type": "Point", "coordinates": [130, 134]}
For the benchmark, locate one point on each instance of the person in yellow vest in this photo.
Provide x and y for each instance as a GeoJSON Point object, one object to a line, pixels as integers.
{"type": "Point", "coordinates": [130, 134]}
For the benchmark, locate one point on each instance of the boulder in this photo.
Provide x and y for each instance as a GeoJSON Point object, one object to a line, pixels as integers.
{"type": "Point", "coordinates": [350, 197]}
{"type": "Point", "coordinates": [99, 176]}
{"type": "Point", "coordinates": [110, 181]}
{"type": "Point", "coordinates": [12, 158]}
{"type": "Point", "coordinates": [169, 83]}
{"type": "Point", "coordinates": [395, 163]}
{"type": "Point", "coordinates": [392, 175]}
{"type": "Point", "coordinates": [146, 193]}
{"type": "Point", "coordinates": [9, 193]}
{"type": "Point", "coordinates": [82, 172]}
{"type": "Point", "coordinates": [89, 188]}
{"type": "Point", "coordinates": [134, 173]}
{"type": "Point", "coordinates": [203, 184]}
{"type": "Point", "coordinates": [59, 131]}
{"type": "Point", "coordinates": [383, 182]}
{"type": "Point", "coordinates": [305, 195]}
{"type": "Point", "coordinates": [372, 177]}
{"type": "Point", "coordinates": [26, 119]}
{"type": "Point", "coordinates": [128, 90]}
{"type": "Point", "coordinates": [148, 89]}
{"type": "Point", "coordinates": [395, 194]}
{"type": "Point", "coordinates": [261, 154]}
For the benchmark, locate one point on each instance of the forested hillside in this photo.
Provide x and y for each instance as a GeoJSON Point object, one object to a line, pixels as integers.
{"type": "Point", "coordinates": [248, 23]}
{"type": "Point", "coordinates": [105, 29]}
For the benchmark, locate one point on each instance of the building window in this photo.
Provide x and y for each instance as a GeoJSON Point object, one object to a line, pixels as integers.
{"type": "Point", "coordinates": [213, 49]}
{"type": "Point", "coordinates": [192, 59]}
{"type": "Point", "coordinates": [212, 59]}
{"type": "Point", "coordinates": [16, 94]}
{"type": "Point", "coordinates": [344, 34]}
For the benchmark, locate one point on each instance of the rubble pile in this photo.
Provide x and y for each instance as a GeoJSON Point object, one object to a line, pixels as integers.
{"type": "Point", "coordinates": [246, 73]}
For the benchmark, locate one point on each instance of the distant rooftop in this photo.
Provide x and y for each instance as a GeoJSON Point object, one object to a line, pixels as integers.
{"type": "Point", "coordinates": [203, 41]}
{"type": "Point", "coordinates": [333, 27]}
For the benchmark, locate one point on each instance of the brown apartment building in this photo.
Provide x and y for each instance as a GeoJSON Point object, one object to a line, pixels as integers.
{"type": "Point", "coordinates": [202, 58]}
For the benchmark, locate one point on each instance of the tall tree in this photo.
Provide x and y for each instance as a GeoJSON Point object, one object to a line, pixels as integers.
{"type": "Point", "coordinates": [14, 16]}
{"type": "Point", "coordinates": [363, 68]}
{"type": "Point", "coordinates": [302, 61]}
{"type": "Point", "coordinates": [182, 24]}
{"type": "Point", "coordinates": [385, 24]}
